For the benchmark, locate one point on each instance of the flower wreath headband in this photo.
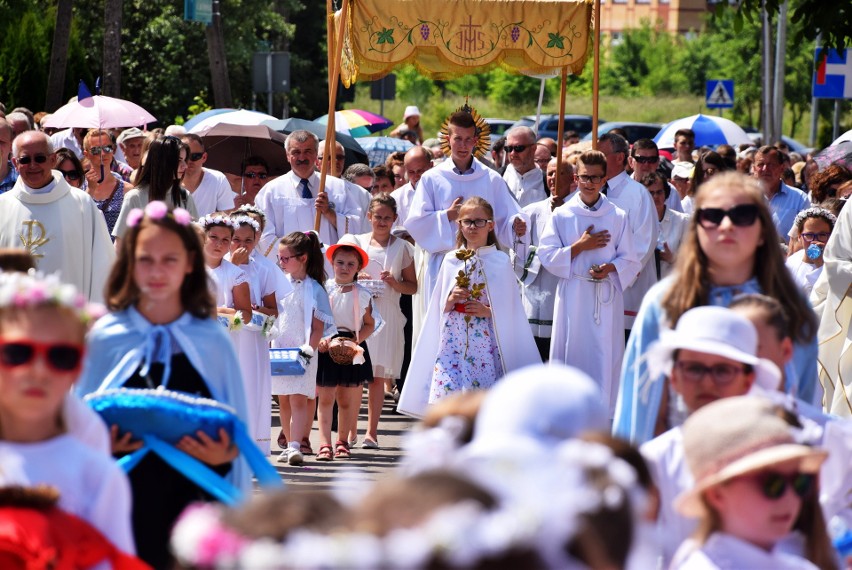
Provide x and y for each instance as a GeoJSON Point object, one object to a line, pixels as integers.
{"type": "Point", "coordinates": [157, 210]}
{"type": "Point", "coordinates": [246, 221]}
{"type": "Point", "coordinates": [482, 131]}
{"type": "Point", "coordinates": [34, 289]}
{"type": "Point", "coordinates": [211, 220]}
{"type": "Point", "coordinates": [252, 209]}
{"type": "Point", "coordinates": [815, 212]}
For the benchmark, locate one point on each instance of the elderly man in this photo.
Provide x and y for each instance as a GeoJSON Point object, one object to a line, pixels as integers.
{"type": "Point", "coordinates": [209, 188]}
{"type": "Point", "coordinates": [525, 181]}
{"type": "Point", "coordinates": [416, 162]}
{"type": "Point", "coordinates": [130, 141]}
{"type": "Point", "coordinates": [291, 202]}
{"type": "Point", "coordinates": [784, 201]}
{"type": "Point", "coordinates": [634, 199]}
{"type": "Point", "coordinates": [59, 225]}
{"type": "Point", "coordinates": [539, 284]}
{"type": "Point", "coordinates": [8, 174]}
{"type": "Point", "coordinates": [440, 192]}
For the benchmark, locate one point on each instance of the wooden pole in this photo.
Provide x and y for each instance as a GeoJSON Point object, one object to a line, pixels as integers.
{"type": "Point", "coordinates": [335, 50]}
{"type": "Point", "coordinates": [597, 74]}
{"type": "Point", "coordinates": [561, 128]}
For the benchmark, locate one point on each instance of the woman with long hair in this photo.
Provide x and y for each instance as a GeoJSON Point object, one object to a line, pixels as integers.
{"type": "Point", "coordinates": [730, 248]}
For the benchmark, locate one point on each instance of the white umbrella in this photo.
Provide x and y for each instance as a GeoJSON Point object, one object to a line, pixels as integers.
{"type": "Point", "coordinates": [847, 136]}
{"type": "Point", "coordinates": [709, 131]}
{"type": "Point", "coordinates": [241, 117]}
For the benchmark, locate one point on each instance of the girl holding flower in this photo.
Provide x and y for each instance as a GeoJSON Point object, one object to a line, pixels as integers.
{"type": "Point", "coordinates": [468, 343]}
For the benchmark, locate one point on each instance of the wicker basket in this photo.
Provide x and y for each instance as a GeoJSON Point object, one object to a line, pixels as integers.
{"type": "Point", "coordinates": [342, 350]}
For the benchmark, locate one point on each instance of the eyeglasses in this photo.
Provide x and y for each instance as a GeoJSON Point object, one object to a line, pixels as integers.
{"type": "Point", "coordinates": [811, 236]}
{"type": "Point", "coordinates": [646, 159]}
{"type": "Point", "coordinates": [517, 147]}
{"type": "Point", "coordinates": [253, 175]}
{"type": "Point", "coordinates": [742, 216]}
{"type": "Point", "coordinates": [479, 223]}
{"type": "Point", "coordinates": [195, 156]}
{"type": "Point", "coordinates": [722, 374]}
{"type": "Point", "coordinates": [96, 150]}
{"type": "Point", "coordinates": [70, 174]}
{"type": "Point", "coordinates": [60, 357]}
{"type": "Point", "coordinates": [282, 259]}
{"type": "Point", "coordinates": [774, 485]}
{"type": "Point", "coordinates": [588, 178]}
{"type": "Point", "coordinates": [39, 158]}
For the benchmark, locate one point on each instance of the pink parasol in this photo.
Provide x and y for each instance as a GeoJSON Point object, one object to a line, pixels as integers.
{"type": "Point", "coordinates": [98, 112]}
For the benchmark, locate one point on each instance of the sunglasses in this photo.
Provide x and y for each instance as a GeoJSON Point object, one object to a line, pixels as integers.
{"type": "Point", "coordinates": [96, 150]}
{"type": "Point", "coordinates": [742, 216]}
{"type": "Point", "coordinates": [39, 158]}
{"type": "Point", "coordinates": [253, 175]}
{"type": "Point", "coordinates": [811, 236]}
{"type": "Point", "coordinates": [195, 156]}
{"type": "Point", "coordinates": [70, 174]}
{"type": "Point", "coordinates": [646, 159]}
{"type": "Point", "coordinates": [774, 485]}
{"type": "Point", "coordinates": [721, 374]}
{"type": "Point", "coordinates": [587, 178]}
{"type": "Point", "coordinates": [517, 147]}
{"type": "Point", "coordinates": [60, 357]}
{"type": "Point", "coordinates": [480, 223]}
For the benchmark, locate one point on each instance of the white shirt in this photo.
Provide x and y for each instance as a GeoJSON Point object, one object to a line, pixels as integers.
{"type": "Point", "coordinates": [403, 196]}
{"type": "Point", "coordinates": [527, 188]}
{"type": "Point", "coordinates": [213, 194]}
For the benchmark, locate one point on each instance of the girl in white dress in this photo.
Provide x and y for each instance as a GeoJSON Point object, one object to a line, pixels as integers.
{"type": "Point", "coordinates": [390, 273]}
{"type": "Point", "coordinates": [252, 346]}
{"type": "Point", "coordinates": [232, 288]}
{"type": "Point", "coordinates": [305, 318]}
{"type": "Point", "coordinates": [814, 227]}
{"type": "Point", "coordinates": [755, 487]}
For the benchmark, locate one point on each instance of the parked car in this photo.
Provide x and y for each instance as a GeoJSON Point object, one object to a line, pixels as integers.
{"type": "Point", "coordinates": [549, 124]}
{"type": "Point", "coordinates": [499, 127]}
{"type": "Point", "coordinates": [634, 131]}
{"type": "Point", "coordinates": [795, 146]}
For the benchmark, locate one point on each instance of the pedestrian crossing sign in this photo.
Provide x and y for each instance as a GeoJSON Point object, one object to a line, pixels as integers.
{"type": "Point", "coordinates": [720, 94]}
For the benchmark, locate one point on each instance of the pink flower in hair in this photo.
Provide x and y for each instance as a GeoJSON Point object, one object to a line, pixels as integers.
{"type": "Point", "coordinates": [134, 217]}
{"type": "Point", "coordinates": [156, 210]}
{"type": "Point", "coordinates": [182, 216]}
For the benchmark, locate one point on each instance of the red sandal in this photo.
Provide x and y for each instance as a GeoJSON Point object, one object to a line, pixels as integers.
{"type": "Point", "coordinates": [341, 450]}
{"type": "Point", "coordinates": [324, 453]}
{"type": "Point", "coordinates": [305, 447]}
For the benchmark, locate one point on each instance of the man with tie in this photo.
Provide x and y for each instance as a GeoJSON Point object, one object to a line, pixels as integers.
{"type": "Point", "coordinates": [291, 202]}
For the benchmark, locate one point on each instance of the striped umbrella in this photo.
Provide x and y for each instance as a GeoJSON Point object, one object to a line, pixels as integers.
{"type": "Point", "coordinates": [709, 131]}
{"type": "Point", "coordinates": [357, 122]}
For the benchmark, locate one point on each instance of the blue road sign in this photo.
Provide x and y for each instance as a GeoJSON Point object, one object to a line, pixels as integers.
{"type": "Point", "coordinates": [720, 94]}
{"type": "Point", "coordinates": [833, 74]}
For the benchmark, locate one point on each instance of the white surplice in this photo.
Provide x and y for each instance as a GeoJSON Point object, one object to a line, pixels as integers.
{"type": "Point", "coordinates": [588, 327]}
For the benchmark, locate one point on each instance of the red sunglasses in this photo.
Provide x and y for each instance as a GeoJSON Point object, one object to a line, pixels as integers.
{"type": "Point", "coordinates": [60, 357]}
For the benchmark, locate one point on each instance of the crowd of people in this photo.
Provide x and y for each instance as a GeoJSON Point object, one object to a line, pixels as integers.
{"type": "Point", "coordinates": [621, 356]}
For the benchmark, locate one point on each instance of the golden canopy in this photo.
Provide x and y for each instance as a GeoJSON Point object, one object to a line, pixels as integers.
{"type": "Point", "coordinates": [449, 39]}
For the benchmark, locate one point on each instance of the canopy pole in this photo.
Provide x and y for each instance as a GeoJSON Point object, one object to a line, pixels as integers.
{"type": "Point", "coordinates": [335, 54]}
{"type": "Point", "coordinates": [561, 128]}
{"type": "Point", "coordinates": [597, 74]}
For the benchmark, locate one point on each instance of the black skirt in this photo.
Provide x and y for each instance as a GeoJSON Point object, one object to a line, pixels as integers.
{"type": "Point", "coordinates": [331, 374]}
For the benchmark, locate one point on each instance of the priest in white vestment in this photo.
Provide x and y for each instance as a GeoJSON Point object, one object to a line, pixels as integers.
{"type": "Point", "coordinates": [441, 191]}
{"type": "Point", "coordinates": [588, 245]}
{"type": "Point", "coordinates": [61, 226]}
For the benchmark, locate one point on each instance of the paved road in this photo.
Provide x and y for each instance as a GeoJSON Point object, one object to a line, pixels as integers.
{"type": "Point", "coordinates": [365, 464]}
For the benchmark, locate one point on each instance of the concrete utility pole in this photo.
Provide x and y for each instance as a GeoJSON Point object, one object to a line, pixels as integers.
{"type": "Point", "coordinates": [59, 56]}
{"type": "Point", "coordinates": [780, 72]}
{"type": "Point", "coordinates": [218, 62]}
{"type": "Point", "coordinates": [768, 114]}
{"type": "Point", "coordinates": [112, 47]}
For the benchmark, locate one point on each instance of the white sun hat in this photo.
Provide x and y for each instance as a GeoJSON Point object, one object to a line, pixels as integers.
{"type": "Point", "coordinates": [411, 111]}
{"type": "Point", "coordinates": [712, 330]}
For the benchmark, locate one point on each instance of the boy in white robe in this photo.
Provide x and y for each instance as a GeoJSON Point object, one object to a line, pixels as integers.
{"type": "Point", "coordinates": [588, 245]}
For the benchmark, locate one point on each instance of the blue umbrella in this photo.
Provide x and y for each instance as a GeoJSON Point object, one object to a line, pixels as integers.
{"type": "Point", "coordinates": [201, 116]}
{"type": "Point", "coordinates": [709, 131]}
{"type": "Point", "coordinates": [379, 148]}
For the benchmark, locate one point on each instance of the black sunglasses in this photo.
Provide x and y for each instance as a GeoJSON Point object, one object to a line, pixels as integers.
{"type": "Point", "coordinates": [195, 156]}
{"type": "Point", "coordinates": [742, 216]}
{"type": "Point", "coordinates": [517, 147]}
{"type": "Point", "coordinates": [60, 357]}
{"type": "Point", "coordinates": [774, 485]}
{"type": "Point", "coordinates": [646, 159]}
{"type": "Point", "coordinates": [39, 158]}
{"type": "Point", "coordinates": [70, 174]}
{"type": "Point", "coordinates": [253, 175]}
